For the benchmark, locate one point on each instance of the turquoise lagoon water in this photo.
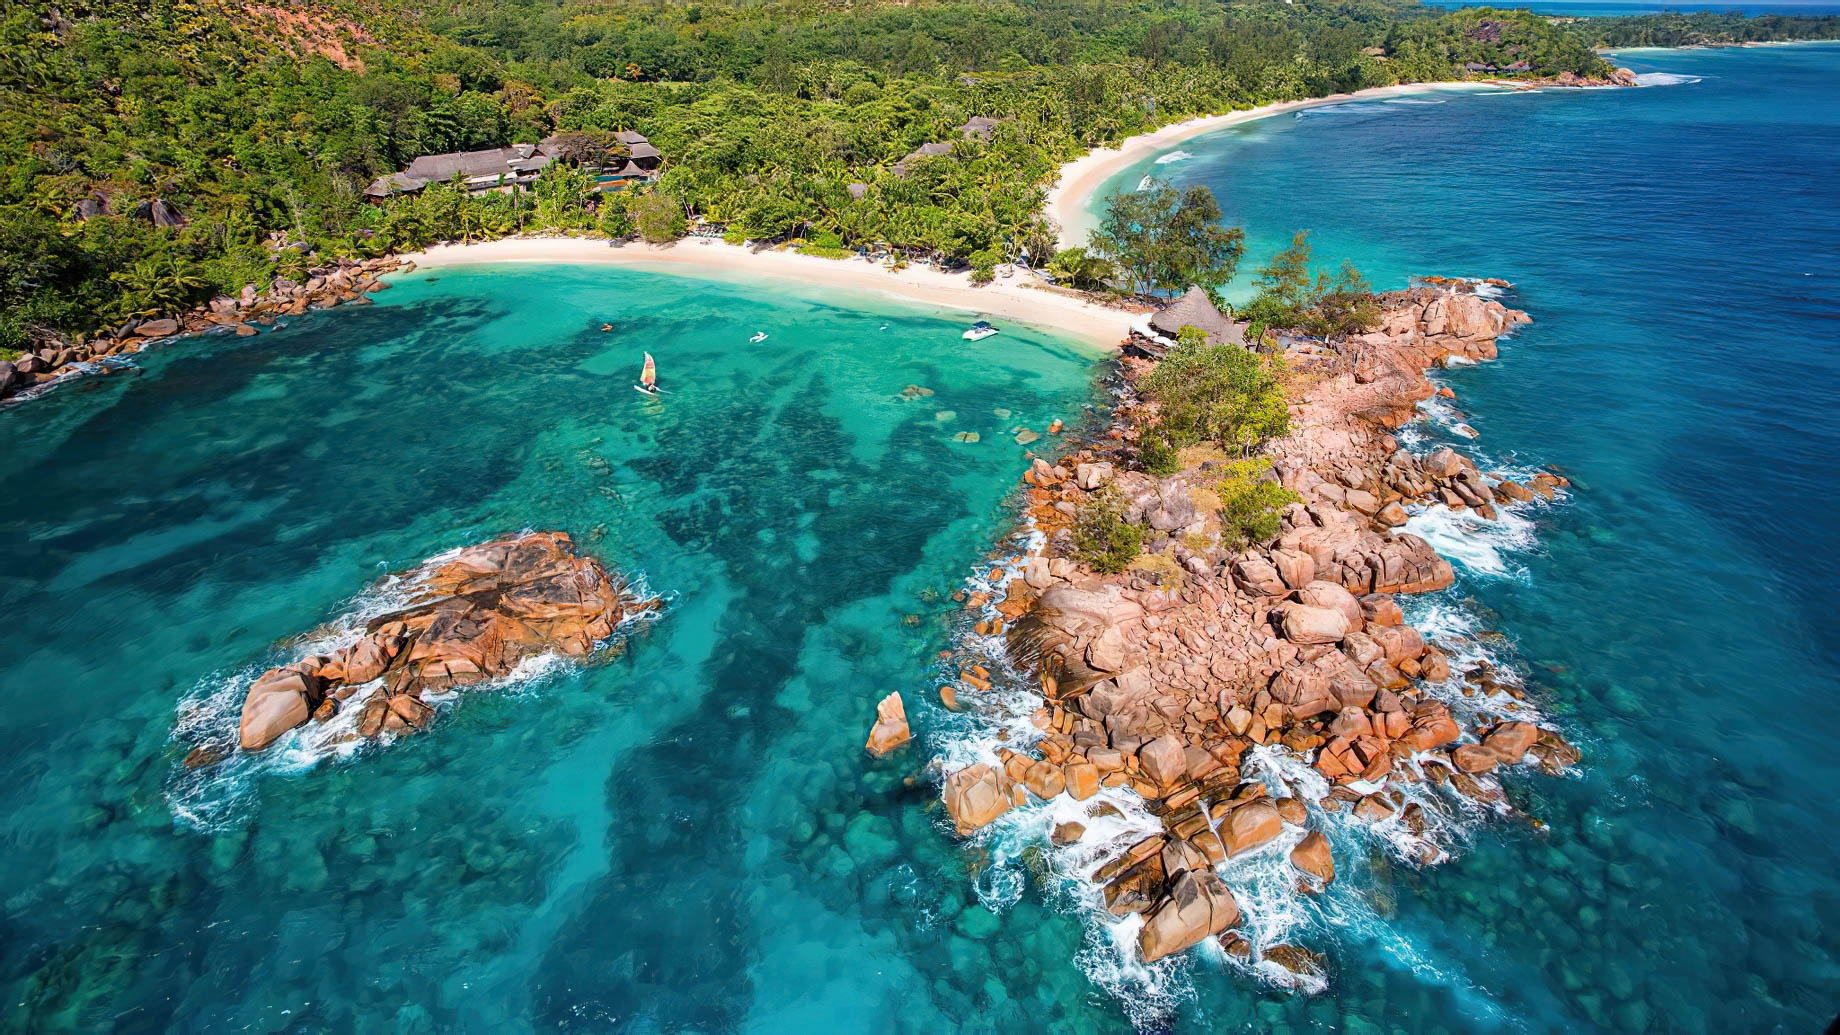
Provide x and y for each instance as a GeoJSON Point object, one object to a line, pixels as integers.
{"type": "Point", "coordinates": [1679, 249]}
{"type": "Point", "coordinates": [687, 837]}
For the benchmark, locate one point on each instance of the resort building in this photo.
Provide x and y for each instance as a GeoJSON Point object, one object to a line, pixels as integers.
{"type": "Point", "coordinates": [506, 169]}
{"type": "Point", "coordinates": [1196, 310]}
{"type": "Point", "coordinates": [641, 164]}
{"type": "Point", "coordinates": [498, 169]}
{"type": "Point", "coordinates": [978, 126]}
{"type": "Point", "coordinates": [923, 151]}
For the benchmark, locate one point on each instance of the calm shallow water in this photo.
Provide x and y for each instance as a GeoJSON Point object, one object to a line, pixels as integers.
{"type": "Point", "coordinates": [688, 838]}
{"type": "Point", "coordinates": [1679, 248]}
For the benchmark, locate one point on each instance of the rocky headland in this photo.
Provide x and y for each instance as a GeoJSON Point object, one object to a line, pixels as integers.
{"type": "Point", "coordinates": [1170, 677]}
{"type": "Point", "coordinates": [469, 616]}
{"type": "Point", "coordinates": [346, 282]}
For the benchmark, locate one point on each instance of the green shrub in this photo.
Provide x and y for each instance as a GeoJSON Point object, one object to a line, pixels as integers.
{"type": "Point", "coordinates": [1102, 539]}
{"type": "Point", "coordinates": [984, 265]}
{"type": "Point", "coordinates": [1081, 269]}
{"type": "Point", "coordinates": [658, 216]}
{"type": "Point", "coordinates": [1251, 502]}
{"type": "Point", "coordinates": [1322, 305]}
{"type": "Point", "coordinates": [1222, 394]}
{"type": "Point", "coordinates": [1157, 456]}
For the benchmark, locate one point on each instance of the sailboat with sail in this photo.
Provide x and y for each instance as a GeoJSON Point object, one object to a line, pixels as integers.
{"type": "Point", "coordinates": [648, 378]}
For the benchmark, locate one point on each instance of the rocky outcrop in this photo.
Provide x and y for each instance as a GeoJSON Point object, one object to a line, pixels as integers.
{"type": "Point", "coordinates": [890, 730]}
{"type": "Point", "coordinates": [471, 617]}
{"type": "Point", "coordinates": [1162, 678]}
{"type": "Point", "coordinates": [345, 282]}
{"type": "Point", "coordinates": [1311, 855]}
{"type": "Point", "coordinates": [978, 795]}
{"type": "Point", "coordinates": [1198, 905]}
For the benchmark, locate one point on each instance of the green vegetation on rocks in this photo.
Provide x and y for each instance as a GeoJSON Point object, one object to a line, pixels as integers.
{"type": "Point", "coordinates": [1251, 501]}
{"type": "Point", "coordinates": [1102, 539]}
{"type": "Point", "coordinates": [1291, 297]}
{"type": "Point", "coordinates": [1223, 394]}
{"type": "Point", "coordinates": [1164, 239]}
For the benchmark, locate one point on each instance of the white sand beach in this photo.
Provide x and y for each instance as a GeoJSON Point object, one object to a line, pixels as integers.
{"type": "Point", "coordinates": [1019, 298]}
{"type": "Point", "coordinates": [1070, 199]}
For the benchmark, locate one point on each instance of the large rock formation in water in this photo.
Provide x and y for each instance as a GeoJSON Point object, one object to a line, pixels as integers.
{"type": "Point", "coordinates": [471, 617]}
{"type": "Point", "coordinates": [1162, 678]}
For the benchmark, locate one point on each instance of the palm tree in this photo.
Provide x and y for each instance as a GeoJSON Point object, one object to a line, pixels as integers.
{"type": "Point", "coordinates": [158, 284]}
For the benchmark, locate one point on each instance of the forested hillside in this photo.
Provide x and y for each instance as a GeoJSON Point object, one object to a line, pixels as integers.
{"type": "Point", "coordinates": [157, 153]}
{"type": "Point", "coordinates": [1706, 28]}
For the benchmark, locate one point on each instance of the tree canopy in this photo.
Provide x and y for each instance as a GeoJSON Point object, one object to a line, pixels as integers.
{"type": "Point", "coordinates": [1162, 239]}
{"type": "Point", "coordinates": [157, 152]}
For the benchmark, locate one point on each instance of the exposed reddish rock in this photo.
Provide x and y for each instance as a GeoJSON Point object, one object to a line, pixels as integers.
{"type": "Point", "coordinates": [1198, 905]}
{"type": "Point", "coordinates": [1250, 826]}
{"type": "Point", "coordinates": [1510, 741]}
{"type": "Point", "coordinates": [1163, 760]}
{"type": "Point", "coordinates": [890, 730]}
{"type": "Point", "coordinates": [472, 617]}
{"type": "Point", "coordinates": [1312, 857]}
{"type": "Point", "coordinates": [1474, 758]}
{"type": "Point", "coordinates": [975, 796]}
{"type": "Point", "coordinates": [1302, 623]}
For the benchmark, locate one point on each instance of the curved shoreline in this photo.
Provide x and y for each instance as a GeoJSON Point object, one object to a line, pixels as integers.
{"type": "Point", "coordinates": [1020, 299]}
{"type": "Point", "coordinates": [1069, 200]}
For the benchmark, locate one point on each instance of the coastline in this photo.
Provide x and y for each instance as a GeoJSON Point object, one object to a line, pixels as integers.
{"type": "Point", "coordinates": [1017, 299]}
{"type": "Point", "coordinates": [1221, 724]}
{"type": "Point", "coordinates": [1069, 200]}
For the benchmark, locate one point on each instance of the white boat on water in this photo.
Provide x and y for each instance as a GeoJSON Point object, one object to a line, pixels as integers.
{"type": "Point", "coordinates": [979, 331]}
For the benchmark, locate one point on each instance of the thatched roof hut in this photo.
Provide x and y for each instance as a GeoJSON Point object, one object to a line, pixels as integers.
{"type": "Point", "coordinates": [1195, 309]}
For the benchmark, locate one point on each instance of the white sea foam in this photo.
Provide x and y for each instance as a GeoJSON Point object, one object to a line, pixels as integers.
{"type": "Point", "coordinates": [1415, 100]}
{"type": "Point", "coordinates": [1174, 156]}
{"type": "Point", "coordinates": [1665, 79]}
{"type": "Point", "coordinates": [1263, 882]}
{"type": "Point", "coordinates": [1144, 184]}
{"type": "Point", "coordinates": [217, 796]}
{"type": "Point", "coordinates": [1479, 545]}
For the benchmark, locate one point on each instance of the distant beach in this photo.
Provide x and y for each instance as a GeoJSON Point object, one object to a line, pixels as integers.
{"type": "Point", "coordinates": [1070, 199]}
{"type": "Point", "coordinates": [1020, 298]}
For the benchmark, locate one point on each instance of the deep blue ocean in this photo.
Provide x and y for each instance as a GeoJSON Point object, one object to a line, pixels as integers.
{"type": "Point", "coordinates": [687, 837]}
{"type": "Point", "coordinates": [1678, 246]}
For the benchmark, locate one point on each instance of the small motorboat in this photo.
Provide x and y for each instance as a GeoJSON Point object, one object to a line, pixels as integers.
{"type": "Point", "coordinates": [648, 378]}
{"type": "Point", "coordinates": [759, 336]}
{"type": "Point", "coordinates": [979, 331]}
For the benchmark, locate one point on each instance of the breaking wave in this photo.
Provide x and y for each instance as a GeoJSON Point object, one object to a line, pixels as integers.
{"type": "Point", "coordinates": [219, 796]}
{"type": "Point", "coordinates": [1666, 79]}
{"type": "Point", "coordinates": [1174, 156]}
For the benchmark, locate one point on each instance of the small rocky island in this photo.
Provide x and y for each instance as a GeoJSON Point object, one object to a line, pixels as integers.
{"type": "Point", "coordinates": [1170, 677]}
{"type": "Point", "coordinates": [472, 616]}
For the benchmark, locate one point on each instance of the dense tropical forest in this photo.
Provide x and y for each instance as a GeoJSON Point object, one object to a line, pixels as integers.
{"type": "Point", "coordinates": [159, 152]}
{"type": "Point", "coordinates": [1707, 28]}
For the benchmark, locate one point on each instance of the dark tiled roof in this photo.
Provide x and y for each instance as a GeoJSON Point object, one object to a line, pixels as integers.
{"type": "Point", "coordinates": [923, 151]}
{"type": "Point", "coordinates": [978, 126]}
{"type": "Point", "coordinates": [473, 164]}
